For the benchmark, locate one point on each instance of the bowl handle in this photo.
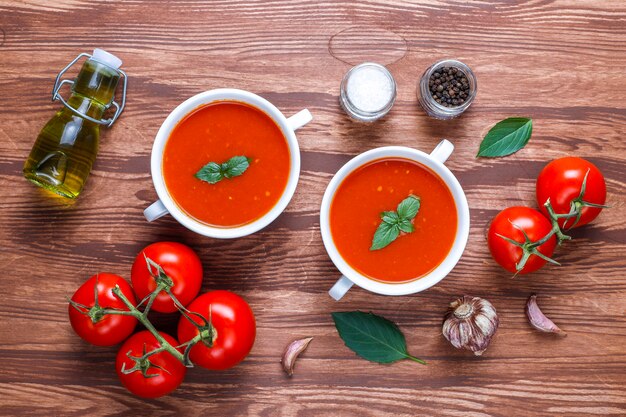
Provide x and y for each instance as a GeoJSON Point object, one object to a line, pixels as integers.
{"type": "Point", "coordinates": [299, 119]}
{"type": "Point", "coordinates": [340, 288]}
{"type": "Point", "coordinates": [442, 151]}
{"type": "Point", "coordinates": [155, 211]}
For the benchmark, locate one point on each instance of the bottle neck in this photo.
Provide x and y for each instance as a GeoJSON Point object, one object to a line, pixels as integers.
{"type": "Point", "coordinates": [86, 105]}
{"type": "Point", "coordinates": [97, 82]}
{"type": "Point", "coordinates": [93, 89]}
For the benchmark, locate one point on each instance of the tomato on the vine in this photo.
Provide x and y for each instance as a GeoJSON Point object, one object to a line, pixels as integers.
{"type": "Point", "coordinates": [234, 330]}
{"type": "Point", "coordinates": [86, 317]}
{"type": "Point", "coordinates": [525, 255]}
{"type": "Point", "coordinates": [561, 181]}
{"type": "Point", "coordinates": [179, 262]}
{"type": "Point", "coordinates": [155, 376]}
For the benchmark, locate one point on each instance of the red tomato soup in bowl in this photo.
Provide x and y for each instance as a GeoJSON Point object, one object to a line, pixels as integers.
{"type": "Point", "coordinates": [377, 187]}
{"type": "Point", "coordinates": [217, 132]}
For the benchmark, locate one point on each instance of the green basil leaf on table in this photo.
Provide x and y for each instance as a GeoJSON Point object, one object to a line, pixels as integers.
{"type": "Point", "coordinates": [372, 337]}
{"type": "Point", "coordinates": [214, 172]}
{"type": "Point", "coordinates": [506, 137]}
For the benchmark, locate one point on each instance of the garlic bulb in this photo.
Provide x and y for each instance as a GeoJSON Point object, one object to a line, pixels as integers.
{"type": "Point", "coordinates": [470, 323]}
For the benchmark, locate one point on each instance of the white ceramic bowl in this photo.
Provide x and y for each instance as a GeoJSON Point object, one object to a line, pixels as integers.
{"type": "Point", "coordinates": [166, 204]}
{"type": "Point", "coordinates": [435, 161]}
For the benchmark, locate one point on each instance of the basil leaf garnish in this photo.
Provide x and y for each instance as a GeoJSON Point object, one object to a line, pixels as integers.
{"type": "Point", "coordinates": [394, 222]}
{"type": "Point", "coordinates": [214, 172]}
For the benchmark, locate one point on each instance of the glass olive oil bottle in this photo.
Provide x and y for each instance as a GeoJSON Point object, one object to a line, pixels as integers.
{"type": "Point", "coordinates": [66, 147]}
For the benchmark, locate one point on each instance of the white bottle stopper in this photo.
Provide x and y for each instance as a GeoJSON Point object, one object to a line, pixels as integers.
{"type": "Point", "coordinates": [106, 58]}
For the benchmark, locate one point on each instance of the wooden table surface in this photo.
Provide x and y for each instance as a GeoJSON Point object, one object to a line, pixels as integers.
{"type": "Point", "coordinates": [559, 62]}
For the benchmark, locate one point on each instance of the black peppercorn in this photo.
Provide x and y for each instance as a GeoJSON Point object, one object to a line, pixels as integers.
{"type": "Point", "coordinates": [449, 86]}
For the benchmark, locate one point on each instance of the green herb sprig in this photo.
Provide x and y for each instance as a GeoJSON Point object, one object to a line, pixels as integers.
{"type": "Point", "coordinates": [394, 222]}
{"type": "Point", "coordinates": [214, 172]}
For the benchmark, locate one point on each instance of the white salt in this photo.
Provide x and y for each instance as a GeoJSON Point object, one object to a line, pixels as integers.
{"type": "Point", "coordinates": [369, 89]}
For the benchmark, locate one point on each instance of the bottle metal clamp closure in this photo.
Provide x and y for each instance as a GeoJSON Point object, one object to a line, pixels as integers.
{"type": "Point", "coordinates": [58, 83]}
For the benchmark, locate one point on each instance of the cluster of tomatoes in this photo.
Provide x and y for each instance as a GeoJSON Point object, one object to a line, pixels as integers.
{"type": "Point", "coordinates": [104, 312]}
{"type": "Point", "coordinates": [571, 192]}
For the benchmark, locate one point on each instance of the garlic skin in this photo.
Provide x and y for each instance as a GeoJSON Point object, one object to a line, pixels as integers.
{"type": "Point", "coordinates": [539, 320]}
{"type": "Point", "coordinates": [470, 323]}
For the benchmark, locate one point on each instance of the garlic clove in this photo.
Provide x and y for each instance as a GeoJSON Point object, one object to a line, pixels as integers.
{"type": "Point", "coordinates": [291, 353]}
{"type": "Point", "coordinates": [470, 323]}
{"type": "Point", "coordinates": [539, 320]}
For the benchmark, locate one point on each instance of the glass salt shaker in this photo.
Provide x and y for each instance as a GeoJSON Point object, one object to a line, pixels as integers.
{"type": "Point", "coordinates": [367, 92]}
{"type": "Point", "coordinates": [430, 105]}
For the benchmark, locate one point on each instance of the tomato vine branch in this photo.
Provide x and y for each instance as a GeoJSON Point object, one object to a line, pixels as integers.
{"type": "Point", "coordinates": [206, 331]}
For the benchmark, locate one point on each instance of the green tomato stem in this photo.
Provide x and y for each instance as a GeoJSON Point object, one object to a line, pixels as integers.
{"type": "Point", "coordinates": [143, 319]}
{"type": "Point", "coordinates": [117, 312]}
{"type": "Point", "coordinates": [164, 283]}
{"type": "Point", "coordinates": [554, 220]}
{"type": "Point", "coordinates": [528, 247]}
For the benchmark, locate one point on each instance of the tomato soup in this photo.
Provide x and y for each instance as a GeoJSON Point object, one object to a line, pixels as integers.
{"type": "Point", "coordinates": [380, 186]}
{"type": "Point", "coordinates": [215, 133]}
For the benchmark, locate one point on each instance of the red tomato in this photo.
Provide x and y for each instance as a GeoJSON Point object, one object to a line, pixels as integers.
{"type": "Point", "coordinates": [107, 330]}
{"type": "Point", "coordinates": [561, 181]}
{"type": "Point", "coordinates": [234, 325]}
{"type": "Point", "coordinates": [536, 227]}
{"type": "Point", "coordinates": [179, 262]}
{"type": "Point", "coordinates": [160, 381]}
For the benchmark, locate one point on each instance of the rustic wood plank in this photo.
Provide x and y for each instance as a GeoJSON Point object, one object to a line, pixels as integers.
{"type": "Point", "coordinates": [559, 62]}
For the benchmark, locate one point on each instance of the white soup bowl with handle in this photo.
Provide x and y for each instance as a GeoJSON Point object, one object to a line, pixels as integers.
{"type": "Point", "coordinates": [166, 204]}
{"type": "Point", "coordinates": [435, 161]}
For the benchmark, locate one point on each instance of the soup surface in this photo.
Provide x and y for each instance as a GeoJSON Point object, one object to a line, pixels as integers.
{"type": "Point", "coordinates": [215, 133]}
{"type": "Point", "coordinates": [380, 186]}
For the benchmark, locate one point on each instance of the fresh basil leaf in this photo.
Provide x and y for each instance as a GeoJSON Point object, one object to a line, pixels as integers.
{"type": "Point", "coordinates": [390, 217]}
{"type": "Point", "coordinates": [406, 226]}
{"type": "Point", "coordinates": [236, 166]}
{"type": "Point", "coordinates": [372, 337]}
{"type": "Point", "coordinates": [394, 222]}
{"type": "Point", "coordinates": [214, 172]}
{"type": "Point", "coordinates": [506, 137]}
{"type": "Point", "coordinates": [408, 208]}
{"type": "Point", "coordinates": [210, 173]}
{"type": "Point", "coordinates": [385, 234]}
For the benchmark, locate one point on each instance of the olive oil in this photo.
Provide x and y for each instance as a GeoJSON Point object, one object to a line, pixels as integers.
{"type": "Point", "coordinates": [66, 148]}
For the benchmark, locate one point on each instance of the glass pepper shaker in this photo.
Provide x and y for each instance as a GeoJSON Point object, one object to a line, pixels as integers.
{"type": "Point", "coordinates": [367, 92]}
{"type": "Point", "coordinates": [439, 107]}
{"type": "Point", "coordinates": [64, 152]}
